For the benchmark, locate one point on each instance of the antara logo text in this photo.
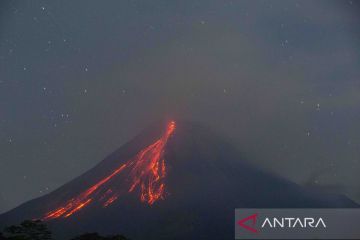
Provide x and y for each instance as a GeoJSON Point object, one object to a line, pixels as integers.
{"type": "Point", "coordinates": [249, 222]}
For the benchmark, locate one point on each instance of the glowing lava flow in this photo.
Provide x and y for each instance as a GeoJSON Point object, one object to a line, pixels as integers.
{"type": "Point", "coordinates": [146, 172]}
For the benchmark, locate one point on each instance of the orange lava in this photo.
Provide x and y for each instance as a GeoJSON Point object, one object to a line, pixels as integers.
{"type": "Point", "coordinates": [145, 174]}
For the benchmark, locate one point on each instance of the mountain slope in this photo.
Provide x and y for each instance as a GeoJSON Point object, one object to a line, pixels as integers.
{"type": "Point", "coordinates": [170, 182]}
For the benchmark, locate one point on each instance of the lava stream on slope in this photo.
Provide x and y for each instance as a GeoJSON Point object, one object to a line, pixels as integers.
{"type": "Point", "coordinates": [146, 172]}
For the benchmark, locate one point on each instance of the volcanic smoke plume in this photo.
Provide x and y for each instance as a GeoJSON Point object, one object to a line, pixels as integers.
{"type": "Point", "coordinates": [144, 174]}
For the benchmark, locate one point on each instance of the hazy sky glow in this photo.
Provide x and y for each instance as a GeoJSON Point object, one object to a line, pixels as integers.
{"type": "Point", "coordinates": [80, 78]}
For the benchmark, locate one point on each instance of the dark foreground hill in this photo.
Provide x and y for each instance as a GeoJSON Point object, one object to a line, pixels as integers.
{"type": "Point", "coordinates": [173, 181]}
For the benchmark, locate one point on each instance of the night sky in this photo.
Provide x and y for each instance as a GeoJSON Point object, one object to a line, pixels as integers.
{"type": "Point", "coordinates": [78, 79]}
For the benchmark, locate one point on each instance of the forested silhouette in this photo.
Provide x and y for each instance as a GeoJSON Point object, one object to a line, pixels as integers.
{"type": "Point", "coordinates": [37, 230]}
{"type": "Point", "coordinates": [96, 236]}
{"type": "Point", "coordinates": [28, 230]}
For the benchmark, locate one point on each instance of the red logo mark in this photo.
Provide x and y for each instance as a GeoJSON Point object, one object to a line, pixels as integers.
{"type": "Point", "coordinates": [253, 218]}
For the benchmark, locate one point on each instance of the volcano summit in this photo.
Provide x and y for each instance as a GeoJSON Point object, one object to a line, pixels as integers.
{"type": "Point", "coordinates": [173, 181]}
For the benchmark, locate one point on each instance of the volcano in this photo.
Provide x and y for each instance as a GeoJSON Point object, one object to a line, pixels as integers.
{"type": "Point", "coordinates": [175, 180]}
